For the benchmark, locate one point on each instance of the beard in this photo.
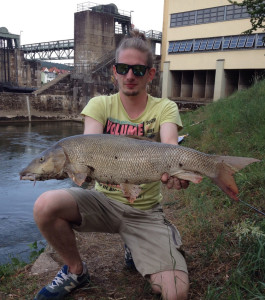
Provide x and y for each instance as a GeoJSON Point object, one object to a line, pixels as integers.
{"type": "Point", "coordinates": [131, 93]}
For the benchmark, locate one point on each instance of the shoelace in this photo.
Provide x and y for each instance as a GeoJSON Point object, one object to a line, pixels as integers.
{"type": "Point", "coordinates": [58, 279]}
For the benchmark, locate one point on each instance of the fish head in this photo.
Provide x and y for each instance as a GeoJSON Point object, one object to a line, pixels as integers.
{"type": "Point", "coordinates": [47, 165]}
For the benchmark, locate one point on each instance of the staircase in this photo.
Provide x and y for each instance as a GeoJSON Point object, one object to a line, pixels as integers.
{"type": "Point", "coordinates": [51, 83]}
{"type": "Point", "coordinates": [104, 61]}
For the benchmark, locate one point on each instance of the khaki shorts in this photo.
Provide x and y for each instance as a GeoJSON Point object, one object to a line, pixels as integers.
{"type": "Point", "coordinates": [153, 241]}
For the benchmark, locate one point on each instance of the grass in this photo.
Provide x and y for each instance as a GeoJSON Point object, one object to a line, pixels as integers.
{"type": "Point", "coordinates": [224, 240]}
{"type": "Point", "coordinates": [233, 126]}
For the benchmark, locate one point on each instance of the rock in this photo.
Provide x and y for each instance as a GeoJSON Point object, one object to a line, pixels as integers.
{"type": "Point", "coordinates": [45, 263]}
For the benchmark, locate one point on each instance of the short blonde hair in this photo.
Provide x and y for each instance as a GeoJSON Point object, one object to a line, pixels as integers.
{"type": "Point", "coordinates": [136, 40]}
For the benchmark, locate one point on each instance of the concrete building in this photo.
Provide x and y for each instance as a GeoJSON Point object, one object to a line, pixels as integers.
{"type": "Point", "coordinates": [16, 73]}
{"type": "Point", "coordinates": [98, 30]}
{"type": "Point", "coordinates": [204, 55]}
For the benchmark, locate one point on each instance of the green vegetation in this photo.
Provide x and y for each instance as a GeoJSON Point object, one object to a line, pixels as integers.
{"type": "Point", "coordinates": [9, 269]}
{"type": "Point", "coordinates": [224, 240]}
{"type": "Point", "coordinates": [230, 236]}
{"type": "Point", "coordinates": [256, 10]}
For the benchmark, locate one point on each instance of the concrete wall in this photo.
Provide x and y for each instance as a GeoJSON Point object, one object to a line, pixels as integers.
{"type": "Point", "coordinates": [53, 103]}
{"type": "Point", "coordinates": [17, 71]}
{"type": "Point", "coordinates": [94, 36]}
{"type": "Point", "coordinates": [29, 107]}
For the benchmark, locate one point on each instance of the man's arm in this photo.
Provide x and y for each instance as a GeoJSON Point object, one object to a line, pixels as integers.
{"type": "Point", "coordinates": [169, 135]}
{"type": "Point", "coordinates": [92, 126]}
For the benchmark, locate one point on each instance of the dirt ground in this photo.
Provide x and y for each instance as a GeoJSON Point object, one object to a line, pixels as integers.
{"type": "Point", "coordinates": [110, 279]}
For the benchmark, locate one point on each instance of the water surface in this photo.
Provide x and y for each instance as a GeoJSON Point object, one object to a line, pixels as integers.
{"type": "Point", "coordinates": [19, 144]}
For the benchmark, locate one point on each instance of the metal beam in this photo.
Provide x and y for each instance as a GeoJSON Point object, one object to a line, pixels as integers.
{"type": "Point", "coordinates": [55, 50]}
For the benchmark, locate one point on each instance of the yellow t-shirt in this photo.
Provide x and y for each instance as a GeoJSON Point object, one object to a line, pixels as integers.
{"type": "Point", "coordinates": [109, 111]}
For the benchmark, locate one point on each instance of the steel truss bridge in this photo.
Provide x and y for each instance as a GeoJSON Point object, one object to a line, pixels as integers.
{"type": "Point", "coordinates": [64, 49]}
{"type": "Point", "coordinates": [56, 50]}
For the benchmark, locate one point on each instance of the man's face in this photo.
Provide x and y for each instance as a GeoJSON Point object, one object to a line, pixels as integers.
{"type": "Point", "coordinates": [129, 84]}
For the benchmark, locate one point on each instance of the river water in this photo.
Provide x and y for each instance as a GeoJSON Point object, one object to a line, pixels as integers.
{"type": "Point", "coordinates": [19, 144]}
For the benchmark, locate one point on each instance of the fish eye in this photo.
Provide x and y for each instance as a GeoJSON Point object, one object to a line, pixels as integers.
{"type": "Point", "coordinates": [42, 159]}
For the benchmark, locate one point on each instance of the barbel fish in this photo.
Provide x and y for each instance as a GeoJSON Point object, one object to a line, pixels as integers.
{"type": "Point", "coordinates": [129, 162]}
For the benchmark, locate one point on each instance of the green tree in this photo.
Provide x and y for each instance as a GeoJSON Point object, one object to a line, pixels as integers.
{"type": "Point", "coordinates": [256, 10]}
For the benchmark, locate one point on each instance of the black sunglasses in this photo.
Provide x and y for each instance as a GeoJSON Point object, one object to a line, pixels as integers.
{"type": "Point", "coordinates": [138, 70]}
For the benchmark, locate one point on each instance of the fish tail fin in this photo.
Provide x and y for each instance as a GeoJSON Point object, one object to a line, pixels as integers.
{"type": "Point", "coordinates": [227, 166]}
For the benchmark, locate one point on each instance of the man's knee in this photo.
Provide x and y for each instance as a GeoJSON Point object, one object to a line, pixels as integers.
{"type": "Point", "coordinates": [40, 205]}
{"type": "Point", "coordinates": [56, 204]}
{"type": "Point", "coordinates": [47, 204]}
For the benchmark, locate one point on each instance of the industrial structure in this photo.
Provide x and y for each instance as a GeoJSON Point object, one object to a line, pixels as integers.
{"type": "Point", "coordinates": [16, 73]}
{"type": "Point", "coordinates": [97, 31]}
{"type": "Point", "coordinates": [204, 54]}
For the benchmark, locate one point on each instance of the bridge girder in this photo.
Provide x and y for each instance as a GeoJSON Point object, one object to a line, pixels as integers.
{"type": "Point", "coordinates": [56, 50]}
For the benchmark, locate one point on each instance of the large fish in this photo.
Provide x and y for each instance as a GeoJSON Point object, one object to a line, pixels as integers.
{"type": "Point", "coordinates": [131, 161]}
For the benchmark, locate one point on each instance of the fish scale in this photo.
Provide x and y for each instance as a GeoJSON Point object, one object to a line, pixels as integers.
{"type": "Point", "coordinates": [131, 160]}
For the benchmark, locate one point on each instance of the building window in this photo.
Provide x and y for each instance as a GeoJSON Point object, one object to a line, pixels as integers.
{"type": "Point", "coordinates": [197, 44]}
{"type": "Point", "coordinates": [171, 47]}
{"type": "Point", "coordinates": [217, 44]}
{"type": "Point", "coordinates": [236, 12]}
{"type": "Point", "coordinates": [182, 19]}
{"type": "Point", "coordinates": [234, 42]}
{"type": "Point", "coordinates": [260, 41]}
{"type": "Point", "coordinates": [209, 15]}
{"type": "Point", "coordinates": [241, 41]}
{"type": "Point", "coordinates": [210, 44]}
{"type": "Point", "coordinates": [225, 43]}
{"type": "Point", "coordinates": [250, 41]}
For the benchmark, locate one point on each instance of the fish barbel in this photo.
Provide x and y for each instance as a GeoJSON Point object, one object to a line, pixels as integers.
{"type": "Point", "coordinates": [129, 162]}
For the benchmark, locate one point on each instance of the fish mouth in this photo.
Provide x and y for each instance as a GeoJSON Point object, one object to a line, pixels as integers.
{"type": "Point", "coordinates": [33, 177]}
{"type": "Point", "coordinates": [42, 177]}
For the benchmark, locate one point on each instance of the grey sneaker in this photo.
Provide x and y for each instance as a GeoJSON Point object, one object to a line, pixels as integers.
{"type": "Point", "coordinates": [128, 258]}
{"type": "Point", "coordinates": [63, 284]}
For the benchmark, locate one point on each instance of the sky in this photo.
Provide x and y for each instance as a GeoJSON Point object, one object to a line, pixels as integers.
{"type": "Point", "coordinates": [52, 20]}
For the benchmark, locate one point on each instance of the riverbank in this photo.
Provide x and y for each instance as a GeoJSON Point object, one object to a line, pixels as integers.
{"type": "Point", "coordinates": [224, 240]}
{"type": "Point", "coordinates": [20, 142]}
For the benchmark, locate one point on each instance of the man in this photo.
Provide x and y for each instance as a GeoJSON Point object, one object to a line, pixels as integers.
{"type": "Point", "coordinates": [152, 240]}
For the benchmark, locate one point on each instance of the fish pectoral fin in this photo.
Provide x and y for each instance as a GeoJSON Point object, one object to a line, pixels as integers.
{"type": "Point", "coordinates": [130, 191]}
{"type": "Point", "coordinates": [187, 175]}
{"type": "Point", "coordinates": [78, 178]}
{"type": "Point", "coordinates": [80, 174]}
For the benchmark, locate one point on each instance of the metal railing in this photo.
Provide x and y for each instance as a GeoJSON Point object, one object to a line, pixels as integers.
{"type": "Point", "coordinates": [153, 35]}
{"type": "Point", "coordinates": [103, 8]}
{"type": "Point", "coordinates": [55, 50]}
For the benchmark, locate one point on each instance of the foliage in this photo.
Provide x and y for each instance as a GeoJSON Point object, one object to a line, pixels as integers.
{"type": "Point", "coordinates": [230, 236]}
{"type": "Point", "coordinates": [35, 250]}
{"type": "Point", "coordinates": [8, 269]}
{"type": "Point", "coordinates": [256, 10]}
{"type": "Point", "coordinates": [246, 281]}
